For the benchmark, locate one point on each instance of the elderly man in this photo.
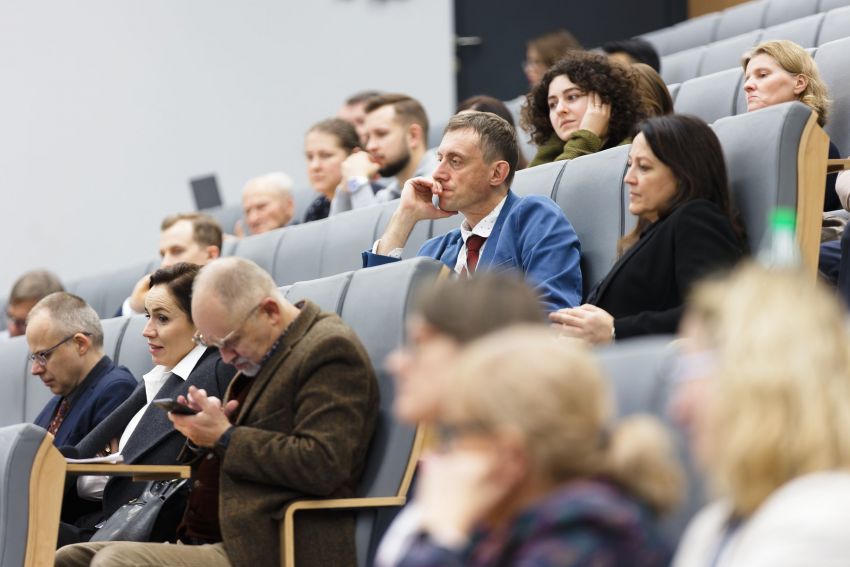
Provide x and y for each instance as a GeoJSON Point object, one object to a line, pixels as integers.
{"type": "Point", "coordinates": [66, 341]}
{"type": "Point", "coordinates": [397, 148]}
{"type": "Point", "coordinates": [267, 203]}
{"type": "Point", "coordinates": [296, 423]}
{"type": "Point", "coordinates": [27, 290]}
{"type": "Point", "coordinates": [186, 237]}
{"type": "Point", "coordinates": [499, 230]}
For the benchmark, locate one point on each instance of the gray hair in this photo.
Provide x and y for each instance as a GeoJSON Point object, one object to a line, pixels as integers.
{"type": "Point", "coordinates": [277, 182]}
{"type": "Point", "coordinates": [70, 314]}
{"type": "Point", "coordinates": [238, 283]}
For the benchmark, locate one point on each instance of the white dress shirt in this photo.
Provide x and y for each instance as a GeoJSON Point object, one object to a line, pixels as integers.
{"type": "Point", "coordinates": [91, 487]}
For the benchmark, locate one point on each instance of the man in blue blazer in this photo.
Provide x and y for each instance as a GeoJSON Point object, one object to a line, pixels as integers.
{"type": "Point", "coordinates": [66, 339]}
{"type": "Point", "coordinates": [499, 231]}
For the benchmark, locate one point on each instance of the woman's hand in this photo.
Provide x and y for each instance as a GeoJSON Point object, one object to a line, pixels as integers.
{"type": "Point", "coordinates": [587, 322]}
{"type": "Point", "coordinates": [456, 491]}
{"type": "Point", "coordinates": [597, 116]}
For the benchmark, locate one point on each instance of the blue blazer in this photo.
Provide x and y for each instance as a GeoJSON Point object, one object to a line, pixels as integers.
{"type": "Point", "coordinates": [532, 236]}
{"type": "Point", "coordinates": [104, 389]}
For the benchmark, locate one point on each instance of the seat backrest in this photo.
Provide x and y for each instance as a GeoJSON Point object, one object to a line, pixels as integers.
{"type": "Point", "coordinates": [226, 215]}
{"type": "Point", "coordinates": [591, 194]}
{"type": "Point", "coordinates": [106, 292]}
{"type": "Point", "coordinates": [826, 5]}
{"type": "Point", "coordinates": [779, 11]}
{"type": "Point", "coordinates": [691, 33]}
{"type": "Point", "coordinates": [833, 61]}
{"type": "Point", "coordinates": [727, 53]}
{"type": "Point", "coordinates": [674, 91]}
{"type": "Point", "coordinates": [710, 97]}
{"type": "Point", "coordinates": [763, 173]}
{"type": "Point", "coordinates": [16, 370]}
{"type": "Point", "coordinates": [31, 483]}
{"type": "Point", "coordinates": [641, 377]}
{"type": "Point", "coordinates": [682, 65]}
{"type": "Point", "coordinates": [132, 348]}
{"type": "Point", "coordinates": [836, 25]}
{"type": "Point", "coordinates": [802, 31]}
{"type": "Point", "coordinates": [740, 19]}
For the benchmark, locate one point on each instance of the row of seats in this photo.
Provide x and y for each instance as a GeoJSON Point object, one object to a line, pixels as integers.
{"type": "Point", "coordinates": [355, 296]}
{"type": "Point", "coordinates": [722, 94]}
{"type": "Point", "coordinates": [589, 189]}
{"type": "Point", "coordinates": [743, 18]}
{"type": "Point", "coordinates": [809, 32]}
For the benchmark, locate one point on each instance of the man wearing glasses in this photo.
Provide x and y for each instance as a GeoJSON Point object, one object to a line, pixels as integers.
{"type": "Point", "coordinates": [296, 423]}
{"type": "Point", "coordinates": [65, 338]}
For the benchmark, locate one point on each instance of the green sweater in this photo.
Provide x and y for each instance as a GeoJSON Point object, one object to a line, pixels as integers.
{"type": "Point", "coordinates": [580, 143]}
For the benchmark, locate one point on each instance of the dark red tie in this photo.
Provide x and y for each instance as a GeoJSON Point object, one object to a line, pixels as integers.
{"type": "Point", "coordinates": [473, 249]}
{"type": "Point", "coordinates": [57, 420]}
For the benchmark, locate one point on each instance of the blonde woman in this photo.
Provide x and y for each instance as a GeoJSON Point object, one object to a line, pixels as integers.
{"type": "Point", "coordinates": [771, 423]}
{"type": "Point", "coordinates": [533, 472]}
{"type": "Point", "coordinates": [781, 71]}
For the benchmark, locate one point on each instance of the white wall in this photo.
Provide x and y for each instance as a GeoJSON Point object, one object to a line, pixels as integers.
{"type": "Point", "coordinates": [107, 107]}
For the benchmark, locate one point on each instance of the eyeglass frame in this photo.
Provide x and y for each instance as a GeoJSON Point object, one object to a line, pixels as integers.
{"type": "Point", "coordinates": [198, 337]}
{"type": "Point", "coordinates": [41, 357]}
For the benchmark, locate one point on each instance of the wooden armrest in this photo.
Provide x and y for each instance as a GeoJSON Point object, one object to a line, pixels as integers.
{"type": "Point", "coordinates": [138, 472]}
{"type": "Point", "coordinates": [287, 529]}
{"type": "Point", "coordinates": [833, 165]}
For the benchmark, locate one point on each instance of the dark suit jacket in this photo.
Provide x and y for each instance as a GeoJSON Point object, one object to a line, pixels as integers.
{"type": "Point", "coordinates": [646, 288]}
{"type": "Point", "coordinates": [154, 441]}
{"type": "Point", "coordinates": [104, 388]}
{"type": "Point", "coordinates": [303, 432]}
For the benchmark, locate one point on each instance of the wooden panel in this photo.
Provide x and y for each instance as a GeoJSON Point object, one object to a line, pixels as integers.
{"type": "Point", "coordinates": [700, 7]}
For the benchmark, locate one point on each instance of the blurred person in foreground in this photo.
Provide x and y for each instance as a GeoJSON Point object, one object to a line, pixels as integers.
{"type": "Point", "coordinates": [764, 393]}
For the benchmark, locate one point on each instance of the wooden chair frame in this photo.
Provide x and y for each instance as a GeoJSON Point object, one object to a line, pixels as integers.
{"type": "Point", "coordinates": [811, 165]}
{"type": "Point", "coordinates": [287, 525]}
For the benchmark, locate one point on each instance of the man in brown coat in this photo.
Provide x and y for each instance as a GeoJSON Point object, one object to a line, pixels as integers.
{"type": "Point", "coordinates": [296, 424]}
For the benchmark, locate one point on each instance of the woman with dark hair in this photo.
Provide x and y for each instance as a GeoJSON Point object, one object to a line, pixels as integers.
{"type": "Point", "coordinates": [484, 103]}
{"type": "Point", "coordinates": [142, 434]}
{"type": "Point", "coordinates": [679, 192]}
{"type": "Point", "coordinates": [583, 104]}
{"type": "Point", "coordinates": [326, 146]}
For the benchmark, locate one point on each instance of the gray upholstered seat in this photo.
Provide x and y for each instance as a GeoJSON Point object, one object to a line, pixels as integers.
{"type": "Point", "coordinates": [802, 31]}
{"type": "Point", "coordinates": [226, 215]}
{"type": "Point", "coordinates": [763, 175]}
{"type": "Point", "coordinates": [833, 60]}
{"type": "Point", "coordinates": [132, 348]}
{"type": "Point", "coordinates": [779, 11]}
{"type": "Point", "coordinates": [674, 91]}
{"type": "Point", "coordinates": [683, 65]}
{"type": "Point", "coordinates": [740, 19]}
{"type": "Point", "coordinates": [31, 475]}
{"type": "Point", "coordinates": [826, 5]}
{"type": "Point", "coordinates": [727, 53]}
{"type": "Point", "coordinates": [106, 292]}
{"type": "Point", "coordinates": [16, 375]}
{"type": "Point", "coordinates": [691, 33]}
{"type": "Point", "coordinates": [358, 296]}
{"type": "Point", "coordinates": [836, 25]}
{"type": "Point", "coordinates": [712, 96]}
{"type": "Point", "coordinates": [641, 375]}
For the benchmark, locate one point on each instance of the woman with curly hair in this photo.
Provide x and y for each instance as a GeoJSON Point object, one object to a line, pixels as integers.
{"type": "Point", "coordinates": [582, 105]}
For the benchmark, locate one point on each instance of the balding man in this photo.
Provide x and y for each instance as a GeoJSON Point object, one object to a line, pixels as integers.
{"type": "Point", "coordinates": [27, 290]}
{"type": "Point", "coordinates": [65, 338]}
{"type": "Point", "coordinates": [296, 423]}
{"type": "Point", "coordinates": [267, 203]}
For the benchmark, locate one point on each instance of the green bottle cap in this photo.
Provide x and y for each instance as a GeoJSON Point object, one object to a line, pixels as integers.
{"type": "Point", "coordinates": [783, 218]}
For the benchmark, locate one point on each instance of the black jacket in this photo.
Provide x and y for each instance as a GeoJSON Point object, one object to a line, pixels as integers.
{"type": "Point", "coordinates": [646, 288]}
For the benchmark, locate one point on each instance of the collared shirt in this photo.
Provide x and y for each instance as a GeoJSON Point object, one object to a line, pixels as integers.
{"type": "Point", "coordinates": [483, 229]}
{"type": "Point", "coordinates": [91, 487]}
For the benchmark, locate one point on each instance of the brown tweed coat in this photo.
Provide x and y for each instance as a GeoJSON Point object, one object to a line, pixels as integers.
{"type": "Point", "coordinates": [302, 432]}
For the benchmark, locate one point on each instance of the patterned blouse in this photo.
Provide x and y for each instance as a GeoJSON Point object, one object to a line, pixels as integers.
{"type": "Point", "coordinates": [588, 523]}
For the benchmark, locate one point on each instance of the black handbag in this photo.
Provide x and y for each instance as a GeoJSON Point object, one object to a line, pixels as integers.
{"type": "Point", "coordinates": [135, 520]}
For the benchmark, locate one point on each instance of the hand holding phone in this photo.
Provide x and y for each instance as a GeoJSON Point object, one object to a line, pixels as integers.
{"type": "Point", "coordinates": [169, 404]}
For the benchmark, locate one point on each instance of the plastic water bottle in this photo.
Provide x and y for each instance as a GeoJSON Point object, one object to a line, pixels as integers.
{"type": "Point", "coordinates": [779, 248]}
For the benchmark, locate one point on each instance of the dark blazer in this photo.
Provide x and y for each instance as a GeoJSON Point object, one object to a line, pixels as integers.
{"type": "Point", "coordinates": [302, 432]}
{"type": "Point", "coordinates": [154, 441]}
{"type": "Point", "coordinates": [105, 388]}
{"type": "Point", "coordinates": [531, 236]}
{"type": "Point", "coordinates": [646, 288]}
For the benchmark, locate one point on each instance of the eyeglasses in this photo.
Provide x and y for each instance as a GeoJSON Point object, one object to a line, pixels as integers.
{"type": "Point", "coordinates": [448, 433]}
{"type": "Point", "coordinates": [200, 340]}
{"type": "Point", "coordinates": [41, 356]}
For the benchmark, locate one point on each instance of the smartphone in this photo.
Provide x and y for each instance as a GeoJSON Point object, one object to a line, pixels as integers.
{"type": "Point", "coordinates": [170, 404]}
{"type": "Point", "coordinates": [435, 200]}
